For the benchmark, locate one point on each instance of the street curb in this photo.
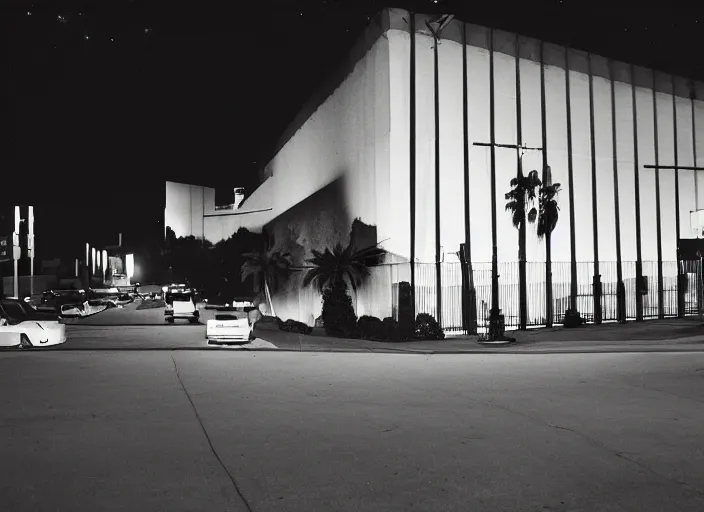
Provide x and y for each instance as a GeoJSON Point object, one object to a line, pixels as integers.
{"type": "Point", "coordinates": [639, 350]}
{"type": "Point", "coordinates": [165, 324]}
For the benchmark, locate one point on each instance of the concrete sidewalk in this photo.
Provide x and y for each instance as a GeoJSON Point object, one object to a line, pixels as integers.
{"type": "Point", "coordinates": [669, 335]}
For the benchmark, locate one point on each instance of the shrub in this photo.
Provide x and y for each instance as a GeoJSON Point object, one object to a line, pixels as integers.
{"type": "Point", "coordinates": [572, 319]}
{"type": "Point", "coordinates": [265, 319]}
{"type": "Point", "coordinates": [390, 329]}
{"type": "Point", "coordinates": [405, 311]}
{"type": "Point", "coordinates": [427, 328]}
{"type": "Point", "coordinates": [370, 328]}
{"type": "Point", "coordinates": [339, 318]}
{"type": "Point", "coordinates": [295, 326]}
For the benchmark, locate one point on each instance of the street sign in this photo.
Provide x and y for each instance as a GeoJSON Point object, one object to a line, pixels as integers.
{"type": "Point", "coordinates": [5, 254]}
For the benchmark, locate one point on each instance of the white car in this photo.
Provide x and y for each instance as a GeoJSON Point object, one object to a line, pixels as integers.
{"type": "Point", "coordinates": [181, 305]}
{"type": "Point", "coordinates": [23, 326]}
{"type": "Point", "coordinates": [229, 327]}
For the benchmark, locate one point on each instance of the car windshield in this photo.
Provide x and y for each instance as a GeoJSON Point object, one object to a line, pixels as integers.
{"type": "Point", "coordinates": [234, 315]}
{"type": "Point", "coordinates": [178, 298]}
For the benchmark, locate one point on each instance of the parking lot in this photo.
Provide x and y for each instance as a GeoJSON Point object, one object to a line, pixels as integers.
{"type": "Point", "coordinates": [131, 328]}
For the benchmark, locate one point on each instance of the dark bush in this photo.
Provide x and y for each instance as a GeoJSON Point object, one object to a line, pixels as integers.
{"type": "Point", "coordinates": [275, 320]}
{"type": "Point", "coordinates": [339, 318]}
{"type": "Point", "coordinates": [295, 326]}
{"type": "Point", "coordinates": [370, 328]}
{"type": "Point", "coordinates": [405, 311]}
{"type": "Point", "coordinates": [572, 319]}
{"type": "Point", "coordinates": [390, 329]}
{"type": "Point", "coordinates": [427, 328]}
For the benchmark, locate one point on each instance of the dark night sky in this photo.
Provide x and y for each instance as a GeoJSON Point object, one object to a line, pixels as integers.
{"type": "Point", "coordinates": [121, 95]}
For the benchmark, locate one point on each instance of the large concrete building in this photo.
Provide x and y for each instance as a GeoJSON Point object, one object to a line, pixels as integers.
{"type": "Point", "coordinates": [365, 148]}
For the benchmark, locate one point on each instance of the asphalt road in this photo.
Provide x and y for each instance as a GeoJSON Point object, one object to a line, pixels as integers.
{"type": "Point", "coordinates": [132, 430]}
{"type": "Point", "coordinates": [136, 337]}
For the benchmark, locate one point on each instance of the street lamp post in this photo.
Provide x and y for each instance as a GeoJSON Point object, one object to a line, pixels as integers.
{"type": "Point", "coordinates": [16, 252]}
{"type": "Point", "coordinates": [30, 249]}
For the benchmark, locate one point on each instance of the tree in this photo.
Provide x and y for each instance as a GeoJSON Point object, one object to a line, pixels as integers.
{"type": "Point", "coordinates": [548, 215]}
{"type": "Point", "coordinates": [331, 269]}
{"type": "Point", "coordinates": [188, 259]}
{"type": "Point", "coordinates": [268, 267]}
{"type": "Point", "coordinates": [522, 195]}
{"type": "Point", "coordinates": [549, 211]}
{"type": "Point", "coordinates": [229, 257]}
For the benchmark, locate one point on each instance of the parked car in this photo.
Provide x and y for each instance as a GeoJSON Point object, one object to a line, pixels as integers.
{"type": "Point", "coordinates": [217, 301]}
{"type": "Point", "coordinates": [180, 304]}
{"type": "Point", "coordinates": [230, 327]}
{"type": "Point", "coordinates": [225, 302]}
{"type": "Point", "coordinates": [23, 326]}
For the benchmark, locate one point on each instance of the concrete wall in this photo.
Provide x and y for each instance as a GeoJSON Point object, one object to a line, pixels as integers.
{"type": "Point", "coordinates": [333, 169]}
{"type": "Point", "coordinates": [348, 135]}
{"type": "Point", "coordinates": [452, 157]}
{"type": "Point", "coordinates": [253, 213]}
{"type": "Point", "coordinates": [185, 208]}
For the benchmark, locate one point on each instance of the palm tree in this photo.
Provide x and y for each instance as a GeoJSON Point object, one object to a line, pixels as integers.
{"type": "Point", "coordinates": [329, 271]}
{"type": "Point", "coordinates": [268, 267]}
{"type": "Point", "coordinates": [330, 268]}
{"type": "Point", "coordinates": [522, 195]}
{"type": "Point", "coordinates": [549, 211]}
{"type": "Point", "coordinates": [548, 215]}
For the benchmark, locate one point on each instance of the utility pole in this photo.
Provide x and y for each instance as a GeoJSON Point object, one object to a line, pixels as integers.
{"type": "Point", "coordinates": [441, 22]}
{"type": "Point", "coordinates": [16, 252]}
{"type": "Point", "coordinates": [496, 332]}
{"type": "Point", "coordinates": [30, 249]}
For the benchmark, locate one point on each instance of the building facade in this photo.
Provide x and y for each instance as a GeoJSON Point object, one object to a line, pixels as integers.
{"type": "Point", "coordinates": [379, 145]}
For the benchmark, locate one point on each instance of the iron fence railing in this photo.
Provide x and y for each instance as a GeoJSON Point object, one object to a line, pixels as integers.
{"type": "Point", "coordinates": [380, 297]}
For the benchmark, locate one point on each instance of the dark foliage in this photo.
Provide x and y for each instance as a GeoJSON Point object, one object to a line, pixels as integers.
{"type": "Point", "coordinates": [427, 328]}
{"type": "Point", "coordinates": [212, 268]}
{"type": "Point", "coordinates": [268, 267]}
{"type": "Point", "coordinates": [370, 328]}
{"type": "Point", "coordinates": [572, 319]}
{"type": "Point", "coordinates": [522, 195]}
{"type": "Point", "coordinates": [295, 326]}
{"type": "Point", "coordinates": [333, 266]}
{"type": "Point", "coordinates": [405, 311]}
{"type": "Point", "coordinates": [338, 314]}
{"type": "Point", "coordinates": [391, 330]}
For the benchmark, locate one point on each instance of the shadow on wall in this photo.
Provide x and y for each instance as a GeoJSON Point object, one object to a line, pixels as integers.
{"type": "Point", "coordinates": [319, 222]}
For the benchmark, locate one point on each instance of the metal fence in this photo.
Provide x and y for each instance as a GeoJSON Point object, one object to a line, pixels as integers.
{"type": "Point", "coordinates": [387, 277]}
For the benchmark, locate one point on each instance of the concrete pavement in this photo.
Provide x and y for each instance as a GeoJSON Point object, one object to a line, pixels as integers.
{"type": "Point", "coordinates": [128, 328]}
{"type": "Point", "coordinates": [105, 430]}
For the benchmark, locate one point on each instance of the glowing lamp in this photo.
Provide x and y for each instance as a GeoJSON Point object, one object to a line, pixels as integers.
{"type": "Point", "coordinates": [129, 263]}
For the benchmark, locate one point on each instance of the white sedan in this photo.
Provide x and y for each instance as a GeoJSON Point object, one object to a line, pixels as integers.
{"type": "Point", "coordinates": [229, 327]}
{"type": "Point", "coordinates": [23, 326]}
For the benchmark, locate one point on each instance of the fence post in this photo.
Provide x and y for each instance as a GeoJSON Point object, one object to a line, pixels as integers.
{"type": "Point", "coordinates": [700, 283]}
{"type": "Point", "coordinates": [469, 294]}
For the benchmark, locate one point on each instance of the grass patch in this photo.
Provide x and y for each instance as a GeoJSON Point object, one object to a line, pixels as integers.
{"type": "Point", "coordinates": [151, 304]}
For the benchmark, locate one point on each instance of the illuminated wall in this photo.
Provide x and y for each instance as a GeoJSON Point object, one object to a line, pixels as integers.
{"type": "Point", "coordinates": [253, 213]}
{"type": "Point", "coordinates": [506, 51]}
{"type": "Point", "coordinates": [346, 136]}
{"type": "Point", "coordinates": [185, 208]}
